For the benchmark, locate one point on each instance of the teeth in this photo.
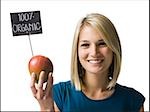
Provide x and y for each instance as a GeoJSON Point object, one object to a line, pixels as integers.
{"type": "Point", "coordinates": [95, 61]}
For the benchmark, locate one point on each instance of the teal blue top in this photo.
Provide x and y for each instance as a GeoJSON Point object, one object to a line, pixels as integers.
{"type": "Point", "coordinates": [124, 99]}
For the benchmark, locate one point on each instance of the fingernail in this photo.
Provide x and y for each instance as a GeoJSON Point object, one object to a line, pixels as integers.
{"type": "Point", "coordinates": [51, 74]}
{"type": "Point", "coordinates": [42, 72]}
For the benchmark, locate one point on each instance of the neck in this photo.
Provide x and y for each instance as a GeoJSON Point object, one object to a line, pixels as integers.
{"type": "Point", "coordinates": [95, 86]}
{"type": "Point", "coordinates": [94, 82]}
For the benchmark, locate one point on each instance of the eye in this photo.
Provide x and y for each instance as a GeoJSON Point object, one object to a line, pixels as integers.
{"type": "Point", "coordinates": [102, 44]}
{"type": "Point", "coordinates": [85, 45]}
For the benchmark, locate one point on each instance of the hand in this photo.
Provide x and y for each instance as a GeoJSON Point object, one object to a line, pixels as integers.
{"type": "Point", "coordinates": [43, 95]}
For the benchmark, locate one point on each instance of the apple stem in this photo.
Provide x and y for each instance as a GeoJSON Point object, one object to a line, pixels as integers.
{"type": "Point", "coordinates": [30, 44]}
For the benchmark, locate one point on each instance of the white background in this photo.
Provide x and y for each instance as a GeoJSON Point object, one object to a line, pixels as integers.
{"type": "Point", "coordinates": [59, 19]}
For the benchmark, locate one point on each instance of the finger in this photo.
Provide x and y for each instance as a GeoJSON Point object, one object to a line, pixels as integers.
{"type": "Point", "coordinates": [41, 79]}
{"type": "Point", "coordinates": [32, 84]}
{"type": "Point", "coordinates": [49, 85]}
{"type": "Point", "coordinates": [40, 91]}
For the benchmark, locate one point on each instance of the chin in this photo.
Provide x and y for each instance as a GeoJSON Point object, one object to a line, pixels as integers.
{"type": "Point", "coordinates": [95, 71]}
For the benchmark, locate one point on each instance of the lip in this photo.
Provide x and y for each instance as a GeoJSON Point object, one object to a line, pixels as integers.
{"type": "Point", "coordinates": [95, 61]}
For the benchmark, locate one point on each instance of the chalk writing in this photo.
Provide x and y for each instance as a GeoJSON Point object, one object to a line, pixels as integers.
{"type": "Point", "coordinates": [25, 16]}
{"type": "Point", "coordinates": [25, 23]}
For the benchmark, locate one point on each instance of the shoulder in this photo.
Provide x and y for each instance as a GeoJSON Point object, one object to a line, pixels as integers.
{"type": "Point", "coordinates": [131, 96]}
{"type": "Point", "coordinates": [128, 90]}
{"type": "Point", "coordinates": [61, 91]}
{"type": "Point", "coordinates": [63, 85]}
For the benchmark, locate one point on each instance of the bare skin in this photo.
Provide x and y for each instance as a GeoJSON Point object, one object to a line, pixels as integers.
{"type": "Point", "coordinates": [46, 101]}
{"type": "Point", "coordinates": [142, 109]}
{"type": "Point", "coordinates": [43, 95]}
{"type": "Point", "coordinates": [95, 57]}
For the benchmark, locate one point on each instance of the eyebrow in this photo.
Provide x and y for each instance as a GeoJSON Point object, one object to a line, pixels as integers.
{"type": "Point", "coordinates": [84, 41]}
{"type": "Point", "coordinates": [101, 40]}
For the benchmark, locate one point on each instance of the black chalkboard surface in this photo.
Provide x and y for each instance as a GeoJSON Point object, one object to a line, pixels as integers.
{"type": "Point", "coordinates": [26, 23]}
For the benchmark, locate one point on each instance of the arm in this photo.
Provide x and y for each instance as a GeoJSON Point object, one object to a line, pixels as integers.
{"type": "Point", "coordinates": [56, 108]}
{"type": "Point", "coordinates": [142, 109]}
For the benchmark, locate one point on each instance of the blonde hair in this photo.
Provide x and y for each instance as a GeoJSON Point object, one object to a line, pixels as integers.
{"type": "Point", "coordinates": [105, 26]}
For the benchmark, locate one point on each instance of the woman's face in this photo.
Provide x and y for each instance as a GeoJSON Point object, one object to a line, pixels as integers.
{"type": "Point", "coordinates": [93, 53]}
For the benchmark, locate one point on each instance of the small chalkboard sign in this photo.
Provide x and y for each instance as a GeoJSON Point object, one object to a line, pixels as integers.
{"type": "Point", "coordinates": [26, 23]}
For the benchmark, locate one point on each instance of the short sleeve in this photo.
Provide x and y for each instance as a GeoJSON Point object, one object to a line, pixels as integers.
{"type": "Point", "coordinates": [138, 100]}
{"type": "Point", "coordinates": [58, 95]}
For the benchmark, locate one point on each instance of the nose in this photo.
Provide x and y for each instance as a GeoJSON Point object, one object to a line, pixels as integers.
{"type": "Point", "coordinates": [94, 51]}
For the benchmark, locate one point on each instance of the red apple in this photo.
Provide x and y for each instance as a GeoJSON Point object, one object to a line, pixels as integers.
{"type": "Point", "coordinates": [40, 63]}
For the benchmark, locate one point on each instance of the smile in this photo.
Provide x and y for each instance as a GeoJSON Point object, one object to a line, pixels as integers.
{"type": "Point", "coordinates": [96, 61]}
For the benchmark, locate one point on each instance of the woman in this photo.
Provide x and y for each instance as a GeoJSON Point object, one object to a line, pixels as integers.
{"type": "Point", "coordinates": [95, 66]}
